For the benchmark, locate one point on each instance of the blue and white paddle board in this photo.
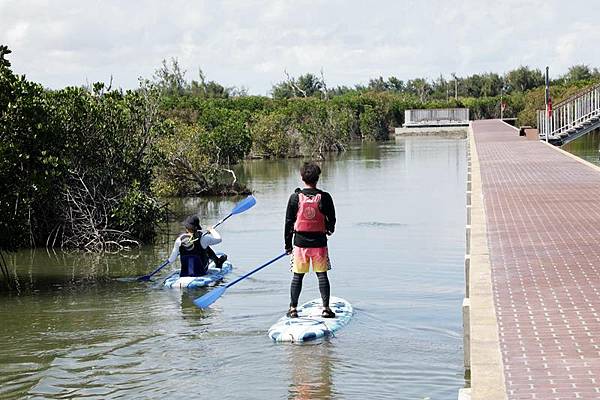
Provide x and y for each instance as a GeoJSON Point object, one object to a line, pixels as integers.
{"type": "Point", "coordinates": [213, 275]}
{"type": "Point", "coordinates": [310, 325]}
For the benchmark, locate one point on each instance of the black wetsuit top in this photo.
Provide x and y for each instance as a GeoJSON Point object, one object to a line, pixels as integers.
{"type": "Point", "coordinates": [308, 239]}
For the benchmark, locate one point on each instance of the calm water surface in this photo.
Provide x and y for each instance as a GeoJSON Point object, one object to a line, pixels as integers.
{"type": "Point", "coordinates": [586, 147]}
{"type": "Point", "coordinates": [76, 331]}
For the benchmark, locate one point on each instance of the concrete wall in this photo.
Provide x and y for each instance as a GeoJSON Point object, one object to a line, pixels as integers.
{"type": "Point", "coordinates": [482, 346]}
{"type": "Point", "coordinates": [454, 132]}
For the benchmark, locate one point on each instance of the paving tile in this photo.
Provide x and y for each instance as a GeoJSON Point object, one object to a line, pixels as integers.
{"type": "Point", "coordinates": [543, 222]}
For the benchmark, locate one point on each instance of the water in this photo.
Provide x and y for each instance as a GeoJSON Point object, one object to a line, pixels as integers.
{"type": "Point", "coordinates": [397, 254]}
{"type": "Point", "coordinates": [586, 147]}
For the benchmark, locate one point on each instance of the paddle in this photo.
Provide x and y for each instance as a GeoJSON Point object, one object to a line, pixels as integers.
{"type": "Point", "coordinates": [240, 207]}
{"type": "Point", "coordinates": [147, 277]}
{"type": "Point", "coordinates": [213, 295]}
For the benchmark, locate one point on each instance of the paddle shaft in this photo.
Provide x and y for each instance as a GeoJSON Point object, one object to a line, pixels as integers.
{"type": "Point", "coordinates": [215, 294]}
{"type": "Point", "coordinates": [256, 270]}
{"type": "Point", "coordinates": [221, 221]}
{"type": "Point", "coordinates": [242, 206]}
{"type": "Point", "coordinates": [147, 277]}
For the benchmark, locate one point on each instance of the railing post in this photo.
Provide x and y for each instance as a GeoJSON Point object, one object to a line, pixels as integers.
{"type": "Point", "coordinates": [562, 119]}
{"type": "Point", "coordinates": [545, 123]}
{"type": "Point", "coordinates": [569, 115]}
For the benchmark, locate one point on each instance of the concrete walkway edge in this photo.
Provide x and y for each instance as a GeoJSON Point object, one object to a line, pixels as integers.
{"type": "Point", "coordinates": [487, 370]}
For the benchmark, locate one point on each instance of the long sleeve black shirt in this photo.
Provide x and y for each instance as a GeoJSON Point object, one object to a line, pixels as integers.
{"type": "Point", "coordinates": [308, 239]}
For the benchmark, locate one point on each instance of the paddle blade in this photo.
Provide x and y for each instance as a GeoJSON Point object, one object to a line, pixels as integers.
{"type": "Point", "coordinates": [243, 205]}
{"type": "Point", "coordinates": [210, 297]}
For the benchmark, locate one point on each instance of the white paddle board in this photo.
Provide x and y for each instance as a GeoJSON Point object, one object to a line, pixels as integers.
{"type": "Point", "coordinates": [213, 275]}
{"type": "Point", "coordinates": [310, 325]}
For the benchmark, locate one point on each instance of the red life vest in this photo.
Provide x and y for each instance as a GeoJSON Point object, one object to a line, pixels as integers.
{"type": "Point", "coordinates": [309, 217]}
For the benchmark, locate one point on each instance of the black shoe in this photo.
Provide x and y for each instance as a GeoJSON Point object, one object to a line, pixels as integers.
{"type": "Point", "coordinates": [292, 313]}
{"type": "Point", "coordinates": [327, 313]}
{"type": "Point", "coordinates": [220, 261]}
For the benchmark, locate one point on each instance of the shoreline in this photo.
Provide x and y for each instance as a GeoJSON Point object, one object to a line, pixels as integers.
{"type": "Point", "coordinates": [451, 132]}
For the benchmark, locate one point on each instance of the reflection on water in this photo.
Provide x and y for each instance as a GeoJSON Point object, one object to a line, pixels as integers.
{"type": "Point", "coordinates": [41, 270]}
{"type": "Point", "coordinates": [586, 147]}
{"type": "Point", "coordinates": [311, 372]}
{"type": "Point", "coordinates": [75, 330]}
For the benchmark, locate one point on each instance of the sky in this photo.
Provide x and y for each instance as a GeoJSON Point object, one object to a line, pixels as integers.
{"type": "Point", "coordinates": [252, 43]}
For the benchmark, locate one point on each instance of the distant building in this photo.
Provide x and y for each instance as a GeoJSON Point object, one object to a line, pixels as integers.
{"type": "Point", "coordinates": [436, 117]}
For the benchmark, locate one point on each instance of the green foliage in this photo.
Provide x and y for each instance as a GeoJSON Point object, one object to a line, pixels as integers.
{"type": "Point", "coordinates": [250, 104]}
{"type": "Point", "coordinates": [303, 126]}
{"type": "Point", "coordinates": [534, 100]}
{"type": "Point", "coordinates": [81, 167]}
{"type": "Point", "coordinates": [191, 163]}
{"type": "Point", "coordinates": [420, 87]}
{"type": "Point", "coordinates": [170, 78]}
{"type": "Point", "coordinates": [523, 79]}
{"type": "Point", "coordinates": [579, 73]}
{"type": "Point", "coordinates": [208, 89]}
{"type": "Point", "coordinates": [375, 113]}
{"type": "Point", "coordinates": [483, 108]}
{"type": "Point", "coordinates": [68, 160]}
{"type": "Point", "coordinates": [25, 179]}
{"type": "Point", "coordinates": [372, 123]}
{"type": "Point", "coordinates": [482, 85]}
{"type": "Point", "coordinates": [379, 85]}
{"type": "Point", "coordinates": [137, 211]}
{"type": "Point", "coordinates": [273, 135]}
{"type": "Point", "coordinates": [323, 127]}
{"type": "Point", "coordinates": [4, 50]}
{"type": "Point", "coordinates": [186, 165]}
{"type": "Point", "coordinates": [228, 137]}
{"type": "Point", "coordinates": [307, 85]}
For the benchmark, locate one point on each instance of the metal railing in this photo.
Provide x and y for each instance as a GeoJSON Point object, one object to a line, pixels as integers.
{"type": "Point", "coordinates": [436, 117]}
{"type": "Point", "coordinates": [570, 115]}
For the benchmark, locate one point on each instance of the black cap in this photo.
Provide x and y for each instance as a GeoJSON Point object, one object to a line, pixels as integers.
{"type": "Point", "coordinates": [192, 223]}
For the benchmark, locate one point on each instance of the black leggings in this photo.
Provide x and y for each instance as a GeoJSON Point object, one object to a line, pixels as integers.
{"type": "Point", "coordinates": [296, 288]}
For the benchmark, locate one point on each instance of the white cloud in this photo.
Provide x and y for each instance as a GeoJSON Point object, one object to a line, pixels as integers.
{"type": "Point", "coordinates": [17, 33]}
{"type": "Point", "coordinates": [574, 42]}
{"type": "Point", "coordinates": [251, 42]}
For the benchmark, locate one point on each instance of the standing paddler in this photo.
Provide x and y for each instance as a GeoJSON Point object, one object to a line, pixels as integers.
{"type": "Point", "coordinates": [310, 218]}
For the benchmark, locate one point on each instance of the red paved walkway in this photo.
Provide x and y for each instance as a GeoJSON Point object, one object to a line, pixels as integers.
{"type": "Point", "coordinates": [543, 221]}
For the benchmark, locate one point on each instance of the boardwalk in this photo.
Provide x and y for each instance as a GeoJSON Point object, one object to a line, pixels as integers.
{"type": "Point", "coordinates": [542, 214]}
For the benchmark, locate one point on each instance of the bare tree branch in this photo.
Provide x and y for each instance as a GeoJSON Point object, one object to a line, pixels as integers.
{"type": "Point", "coordinates": [324, 86]}
{"type": "Point", "coordinates": [232, 174]}
{"type": "Point", "coordinates": [292, 82]}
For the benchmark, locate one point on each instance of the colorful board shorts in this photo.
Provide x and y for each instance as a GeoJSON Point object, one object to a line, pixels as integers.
{"type": "Point", "coordinates": [303, 256]}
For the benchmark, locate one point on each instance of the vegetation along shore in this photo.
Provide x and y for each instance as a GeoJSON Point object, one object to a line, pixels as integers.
{"type": "Point", "coordinates": [87, 167]}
